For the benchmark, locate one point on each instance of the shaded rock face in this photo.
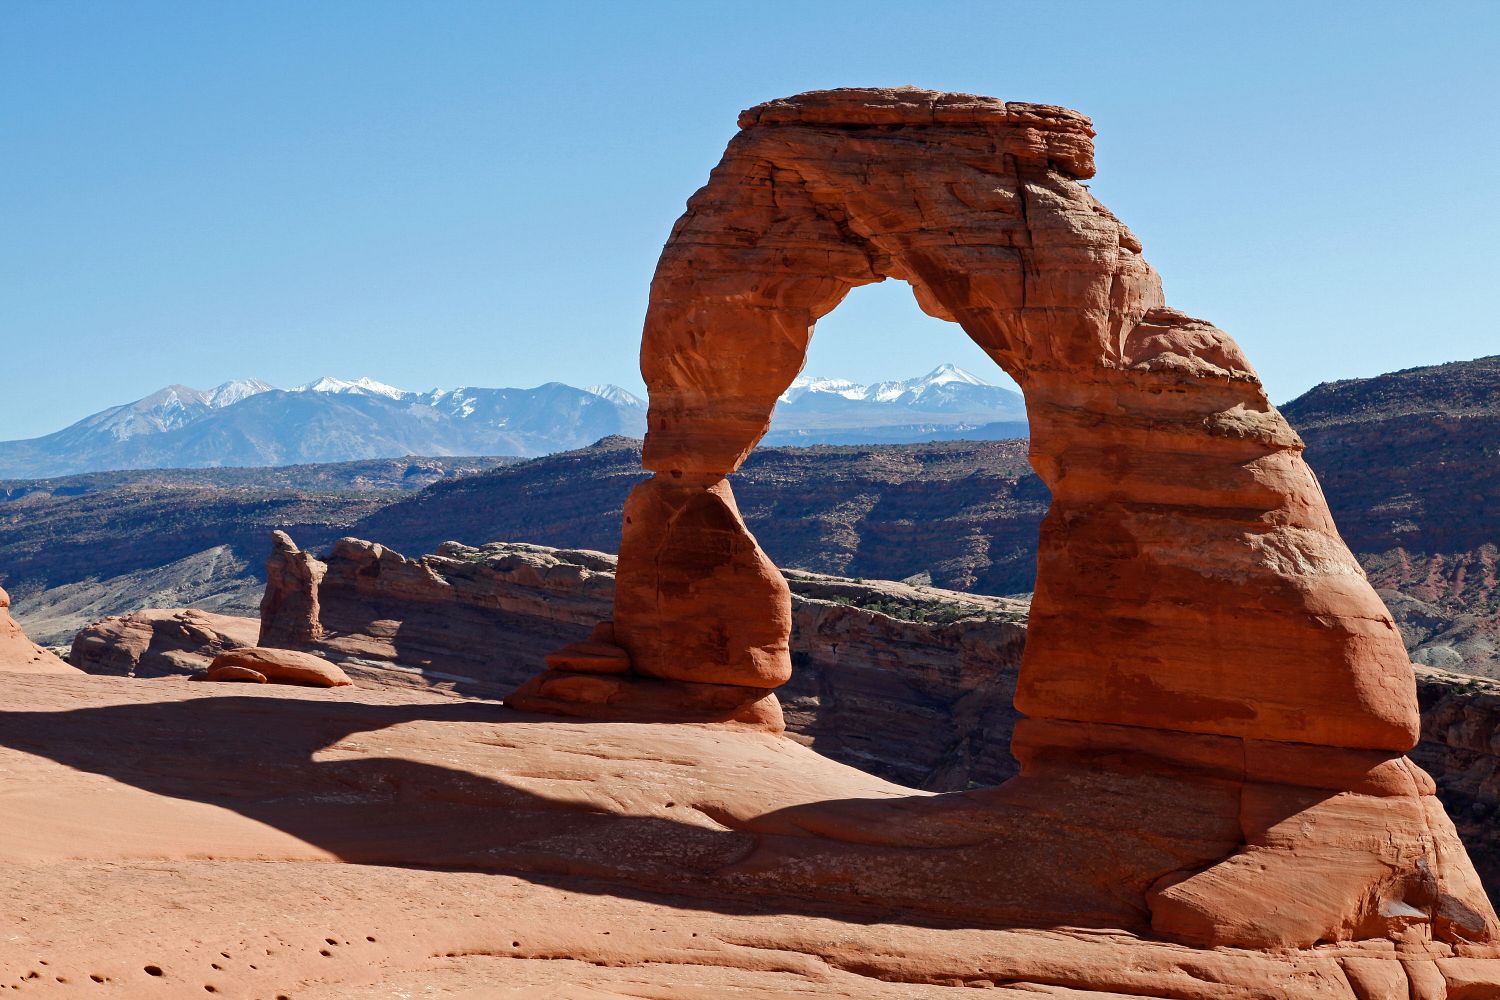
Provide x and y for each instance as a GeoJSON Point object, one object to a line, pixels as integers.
{"type": "Point", "coordinates": [289, 610]}
{"type": "Point", "coordinates": [1202, 643]}
{"type": "Point", "coordinates": [916, 685]}
{"type": "Point", "coordinates": [913, 685]}
{"type": "Point", "coordinates": [478, 619]}
{"type": "Point", "coordinates": [19, 654]}
{"type": "Point", "coordinates": [1461, 748]}
{"type": "Point", "coordinates": [159, 642]}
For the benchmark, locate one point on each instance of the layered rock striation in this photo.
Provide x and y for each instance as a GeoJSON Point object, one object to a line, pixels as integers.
{"type": "Point", "coordinates": [1209, 676]}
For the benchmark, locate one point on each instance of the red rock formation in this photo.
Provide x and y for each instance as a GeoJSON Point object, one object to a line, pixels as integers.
{"type": "Point", "coordinates": [233, 672]}
{"type": "Point", "coordinates": [289, 610]}
{"type": "Point", "coordinates": [159, 642]}
{"type": "Point", "coordinates": [1204, 651]}
{"type": "Point", "coordinates": [912, 684]}
{"type": "Point", "coordinates": [19, 654]}
{"type": "Point", "coordinates": [278, 666]}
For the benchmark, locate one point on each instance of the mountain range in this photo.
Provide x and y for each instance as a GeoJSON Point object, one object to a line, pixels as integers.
{"type": "Point", "coordinates": [248, 423]}
{"type": "Point", "coordinates": [1410, 462]}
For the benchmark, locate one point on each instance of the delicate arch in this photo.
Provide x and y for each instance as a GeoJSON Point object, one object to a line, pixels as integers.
{"type": "Point", "coordinates": [1211, 686]}
{"type": "Point", "coordinates": [1189, 574]}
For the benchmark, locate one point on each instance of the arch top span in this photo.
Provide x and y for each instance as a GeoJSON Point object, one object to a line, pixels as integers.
{"type": "Point", "coordinates": [1040, 133]}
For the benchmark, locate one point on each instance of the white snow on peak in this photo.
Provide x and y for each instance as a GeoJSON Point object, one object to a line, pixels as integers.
{"type": "Point", "coordinates": [881, 392]}
{"type": "Point", "coordinates": [232, 392]}
{"type": "Point", "coordinates": [614, 394]}
{"type": "Point", "coordinates": [357, 387]}
{"type": "Point", "coordinates": [915, 388]}
{"type": "Point", "coordinates": [949, 373]}
{"type": "Point", "coordinates": [804, 384]}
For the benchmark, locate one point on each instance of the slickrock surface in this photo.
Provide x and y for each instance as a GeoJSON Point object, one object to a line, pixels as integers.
{"type": "Point", "coordinates": [269, 841]}
{"type": "Point", "coordinates": [1197, 620]}
{"type": "Point", "coordinates": [914, 685]}
{"type": "Point", "coordinates": [159, 642]}
{"type": "Point", "coordinates": [19, 654]}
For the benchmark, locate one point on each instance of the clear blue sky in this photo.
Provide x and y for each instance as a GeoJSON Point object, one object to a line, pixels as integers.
{"type": "Point", "coordinates": [442, 193]}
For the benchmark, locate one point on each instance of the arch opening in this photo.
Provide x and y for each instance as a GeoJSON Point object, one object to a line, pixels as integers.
{"type": "Point", "coordinates": [938, 493]}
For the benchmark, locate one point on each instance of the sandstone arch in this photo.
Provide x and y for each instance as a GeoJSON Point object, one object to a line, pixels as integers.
{"type": "Point", "coordinates": [1188, 557]}
{"type": "Point", "coordinates": [1195, 610]}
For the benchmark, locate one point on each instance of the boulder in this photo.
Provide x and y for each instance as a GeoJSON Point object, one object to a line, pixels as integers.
{"type": "Point", "coordinates": [278, 666]}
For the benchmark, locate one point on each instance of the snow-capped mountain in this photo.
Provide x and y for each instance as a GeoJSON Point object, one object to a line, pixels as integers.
{"type": "Point", "coordinates": [908, 391]}
{"type": "Point", "coordinates": [251, 423]}
{"type": "Point", "coordinates": [164, 410]}
{"type": "Point", "coordinates": [358, 387]}
{"type": "Point", "coordinates": [232, 392]}
{"type": "Point", "coordinates": [945, 404]}
{"type": "Point", "coordinates": [615, 394]}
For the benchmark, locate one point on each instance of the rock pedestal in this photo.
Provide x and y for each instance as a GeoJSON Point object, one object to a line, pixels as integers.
{"type": "Point", "coordinates": [289, 612]}
{"type": "Point", "coordinates": [1204, 652]}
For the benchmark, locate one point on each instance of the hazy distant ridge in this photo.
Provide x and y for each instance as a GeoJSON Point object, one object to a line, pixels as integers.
{"type": "Point", "coordinates": [249, 423]}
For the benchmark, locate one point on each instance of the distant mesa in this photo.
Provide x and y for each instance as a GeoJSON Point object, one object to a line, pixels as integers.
{"type": "Point", "coordinates": [250, 423]}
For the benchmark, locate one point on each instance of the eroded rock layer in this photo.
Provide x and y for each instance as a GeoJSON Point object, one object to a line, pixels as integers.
{"type": "Point", "coordinates": [1201, 638]}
